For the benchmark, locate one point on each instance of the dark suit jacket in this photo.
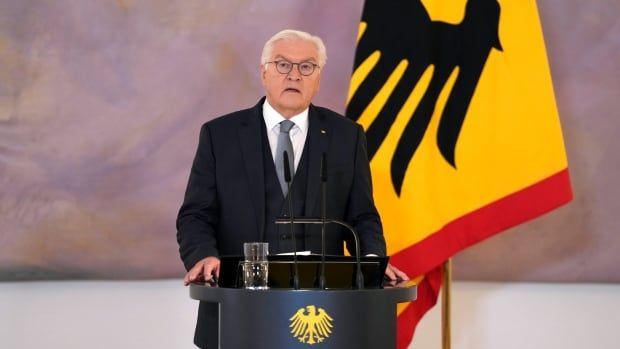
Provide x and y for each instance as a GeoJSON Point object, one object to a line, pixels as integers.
{"type": "Point", "coordinates": [225, 199]}
{"type": "Point", "coordinates": [224, 202]}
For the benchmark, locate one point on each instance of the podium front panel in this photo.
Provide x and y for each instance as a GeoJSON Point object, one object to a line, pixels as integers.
{"type": "Point", "coordinates": [305, 318]}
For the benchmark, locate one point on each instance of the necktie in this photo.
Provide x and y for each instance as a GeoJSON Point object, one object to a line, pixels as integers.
{"type": "Point", "coordinates": [284, 144]}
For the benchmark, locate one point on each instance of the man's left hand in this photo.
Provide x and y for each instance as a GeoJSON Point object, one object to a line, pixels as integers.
{"type": "Point", "coordinates": [393, 273]}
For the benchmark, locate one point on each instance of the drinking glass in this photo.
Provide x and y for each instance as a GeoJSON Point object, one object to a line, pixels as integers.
{"type": "Point", "coordinates": [255, 265]}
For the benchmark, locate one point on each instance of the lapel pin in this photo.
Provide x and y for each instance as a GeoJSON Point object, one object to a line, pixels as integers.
{"type": "Point", "coordinates": [323, 132]}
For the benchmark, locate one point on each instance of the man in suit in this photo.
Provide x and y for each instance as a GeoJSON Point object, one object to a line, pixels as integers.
{"type": "Point", "coordinates": [236, 187]}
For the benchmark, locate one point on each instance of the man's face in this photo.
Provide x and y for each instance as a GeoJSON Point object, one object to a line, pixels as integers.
{"type": "Point", "coordinates": [291, 93]}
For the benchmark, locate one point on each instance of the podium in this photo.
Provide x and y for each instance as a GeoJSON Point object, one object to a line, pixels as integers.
{"type": "Point", "coordinates": [306, 318]}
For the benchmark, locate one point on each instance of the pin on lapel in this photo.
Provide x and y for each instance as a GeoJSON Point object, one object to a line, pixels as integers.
{"type": "Point", "coordinates": [323, 131]}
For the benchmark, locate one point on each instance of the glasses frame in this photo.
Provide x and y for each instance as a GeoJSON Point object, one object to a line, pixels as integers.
{"type": "Point", "coordinates": [314, 66]}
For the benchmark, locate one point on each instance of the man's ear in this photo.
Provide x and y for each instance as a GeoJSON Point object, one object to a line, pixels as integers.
{"type": "Point", "coordinates": [318, 85]}
{"type": "Point", "coordinates": [263, 72]}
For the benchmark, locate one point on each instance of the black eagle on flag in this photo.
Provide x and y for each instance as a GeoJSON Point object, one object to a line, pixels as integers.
{"type": "Point", "coordinates": [423, 43]}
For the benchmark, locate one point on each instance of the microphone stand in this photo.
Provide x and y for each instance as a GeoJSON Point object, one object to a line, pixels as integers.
{"type": "Point", "coordinates": [287, 179]}
{"type": "Point", "coordinates": [359, 277]}
{"type": "Point", "coordinates": [322, 281]}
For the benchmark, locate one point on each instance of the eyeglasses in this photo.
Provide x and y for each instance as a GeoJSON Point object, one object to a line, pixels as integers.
{"type": "Point", "coordinates": [304, 68]}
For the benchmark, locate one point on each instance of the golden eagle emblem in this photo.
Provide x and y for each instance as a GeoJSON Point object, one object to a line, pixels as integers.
{"type": "Point", "coordinates": [311, 326]}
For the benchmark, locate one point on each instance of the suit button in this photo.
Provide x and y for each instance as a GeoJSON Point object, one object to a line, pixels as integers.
{"type": "Point", "coordinates": [283, 237]}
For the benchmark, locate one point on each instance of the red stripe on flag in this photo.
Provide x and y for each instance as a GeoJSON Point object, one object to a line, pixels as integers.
{"type": "Point", "coordinates": [428, 289]}
{"type": "Point", "coordinates": [426, 256]}
{"type": "Point", "coordinates": [484, 222]}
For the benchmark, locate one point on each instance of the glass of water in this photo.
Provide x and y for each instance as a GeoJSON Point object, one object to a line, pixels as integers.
{"type": "Point", "coordinates": [255, 265]}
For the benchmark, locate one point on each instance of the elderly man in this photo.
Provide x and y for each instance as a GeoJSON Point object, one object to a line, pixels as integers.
{"type": "Point", "coordinates": [236, 188]}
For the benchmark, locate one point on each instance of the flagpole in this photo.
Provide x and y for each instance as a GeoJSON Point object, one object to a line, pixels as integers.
{"type": "Point", "coordinates": [445, 303]}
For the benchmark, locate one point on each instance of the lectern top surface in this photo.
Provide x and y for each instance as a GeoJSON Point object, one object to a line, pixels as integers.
{"type": "Point", "coordinates": [339, 271]}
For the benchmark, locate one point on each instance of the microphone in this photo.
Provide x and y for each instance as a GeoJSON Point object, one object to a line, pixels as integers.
{"type": "Point", "coordinates": [359, 277]}
{"type": "Point", "coordinates": [287, 179]}
{"type": "Point", "coordinates": [323, 217]}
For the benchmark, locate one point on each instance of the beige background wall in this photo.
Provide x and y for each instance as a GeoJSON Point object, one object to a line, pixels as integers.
{"type": "Point", "coordinates": [101, 102]}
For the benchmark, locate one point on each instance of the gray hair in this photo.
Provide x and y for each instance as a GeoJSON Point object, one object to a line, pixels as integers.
{"type": "Point", "coordinates": [290, 34]}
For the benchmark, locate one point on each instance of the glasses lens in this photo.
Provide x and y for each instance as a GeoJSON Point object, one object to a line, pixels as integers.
{"type": "Point", "coordinates": [284, 67]}
{"type": "Point", "coordinates": [306, 68]}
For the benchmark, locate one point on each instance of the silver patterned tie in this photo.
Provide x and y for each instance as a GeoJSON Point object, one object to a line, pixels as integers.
{"type": "Point", "coordinates": [284, 144]}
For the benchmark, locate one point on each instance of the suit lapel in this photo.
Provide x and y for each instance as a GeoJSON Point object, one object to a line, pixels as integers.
{"type": "Point", "coordinates": [251, 148]}
{"type": "Point", "coordinates": [318, 141]}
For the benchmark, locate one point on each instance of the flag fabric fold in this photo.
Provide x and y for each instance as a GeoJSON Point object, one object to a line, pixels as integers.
{"type": "Point", "coordinates": [463, 132]}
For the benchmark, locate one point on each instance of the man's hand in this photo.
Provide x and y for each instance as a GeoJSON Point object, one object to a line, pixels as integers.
{"type": "Point", "coordinates": [393, 273]}
{"type": "Point", "coordinates": [203, 270]}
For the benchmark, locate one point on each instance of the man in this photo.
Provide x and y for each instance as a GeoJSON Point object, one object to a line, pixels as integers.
{"type": "Point", "coordinates": [236, 187]}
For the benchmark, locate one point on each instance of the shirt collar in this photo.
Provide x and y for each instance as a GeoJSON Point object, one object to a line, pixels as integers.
{"type": "Point", "coordinates": [273, 118]}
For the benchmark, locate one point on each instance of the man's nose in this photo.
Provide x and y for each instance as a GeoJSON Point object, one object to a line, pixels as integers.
{"type": "Point", "coordinates": [294, 74]}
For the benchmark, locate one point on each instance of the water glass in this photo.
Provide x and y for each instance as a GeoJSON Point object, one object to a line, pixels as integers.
{"type": "Point", "coordinates": [255, 266]}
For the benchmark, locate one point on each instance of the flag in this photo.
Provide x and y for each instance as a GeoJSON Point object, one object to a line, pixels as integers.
{"type": "Point", "coordinates": [462, 128]}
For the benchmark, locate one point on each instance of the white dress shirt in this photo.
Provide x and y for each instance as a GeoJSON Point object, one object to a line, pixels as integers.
{"type": "Point", "coordinates": [298, 133]}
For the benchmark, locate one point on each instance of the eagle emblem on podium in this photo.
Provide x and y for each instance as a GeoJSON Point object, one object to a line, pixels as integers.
{"type": "Point", "coordinates": [311, 325]}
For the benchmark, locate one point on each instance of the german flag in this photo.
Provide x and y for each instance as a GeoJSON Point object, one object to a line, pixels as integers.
{"type": "Point", "coordinates": [463, 131]}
